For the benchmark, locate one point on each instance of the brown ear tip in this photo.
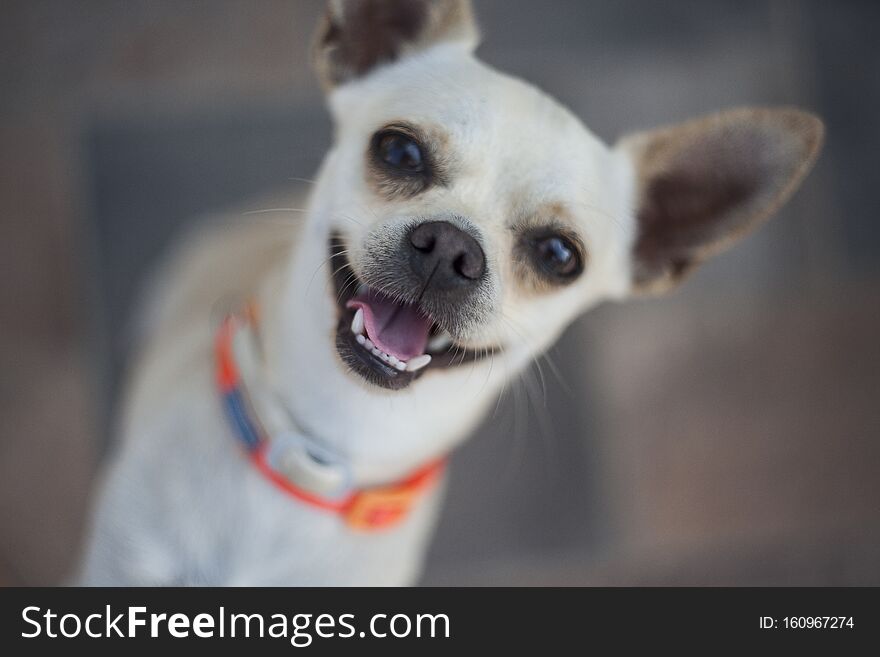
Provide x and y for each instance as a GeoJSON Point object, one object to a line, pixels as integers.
{"type": "Point", "coordinates": [816, 132]}
{"type": "Point", "coordinates": [805, 125]}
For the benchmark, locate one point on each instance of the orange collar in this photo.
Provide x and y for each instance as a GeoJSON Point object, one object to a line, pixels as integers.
{"type": "Point", "coordinates": [289, 459]}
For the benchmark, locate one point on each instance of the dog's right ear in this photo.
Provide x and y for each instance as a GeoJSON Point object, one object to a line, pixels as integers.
{"type": "Point", "coordinates": [356, 36]}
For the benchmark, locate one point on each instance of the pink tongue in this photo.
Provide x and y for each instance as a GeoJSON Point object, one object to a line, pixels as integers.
{"type": "Point", "coordinates": [397, 329]}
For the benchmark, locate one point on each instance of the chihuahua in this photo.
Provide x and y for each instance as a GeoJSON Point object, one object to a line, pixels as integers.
{"type": "Point", "coordinates": [300, 386]}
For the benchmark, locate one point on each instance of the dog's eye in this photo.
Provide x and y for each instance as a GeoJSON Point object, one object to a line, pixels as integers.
{"type": "Point", "coordinates": [557, 257]}
{"type": "Point", "coordinates": [399, 151]}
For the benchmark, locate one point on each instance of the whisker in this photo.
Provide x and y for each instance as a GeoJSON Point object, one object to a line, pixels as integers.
{"type": "Point", "coordinates": [268, 210]}
{"type": "Point", "coordinates": [318, 268]}
{"type": "Point", "coordinates": [601, 211]}
{"type": "Point", "coordinates": [335, 213]}
{"type": "Point", "coordinates": [557, 373]}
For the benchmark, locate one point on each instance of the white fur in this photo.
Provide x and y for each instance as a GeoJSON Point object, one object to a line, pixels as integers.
{"type": "Point", "coordinates": [181, 504]}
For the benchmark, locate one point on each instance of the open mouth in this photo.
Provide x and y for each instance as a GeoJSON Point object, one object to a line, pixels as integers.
{"type": "Point", "coordinates": [389, 340]}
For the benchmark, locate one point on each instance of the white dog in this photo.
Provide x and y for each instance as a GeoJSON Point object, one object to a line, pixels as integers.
{"type": "Point", "coordinates": [461, 220]}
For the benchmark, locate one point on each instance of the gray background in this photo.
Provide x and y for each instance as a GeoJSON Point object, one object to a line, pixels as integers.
{"type": "Point", "coordinates": [725, 435]}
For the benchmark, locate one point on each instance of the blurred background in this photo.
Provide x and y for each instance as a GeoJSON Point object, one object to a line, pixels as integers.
{"type": "Point", "coordinates": [728, 434]}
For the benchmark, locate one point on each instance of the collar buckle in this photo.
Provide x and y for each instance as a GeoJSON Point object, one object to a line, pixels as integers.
{"type": "Point", "coordinates": [313, 467]}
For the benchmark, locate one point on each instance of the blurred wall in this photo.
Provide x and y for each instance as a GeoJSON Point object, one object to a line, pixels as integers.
{"type": "Point", "coordinates": [727, 434]}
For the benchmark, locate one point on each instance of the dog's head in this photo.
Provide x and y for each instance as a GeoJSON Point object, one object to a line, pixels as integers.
{"type": "Point", "coordinates": [467, 216]}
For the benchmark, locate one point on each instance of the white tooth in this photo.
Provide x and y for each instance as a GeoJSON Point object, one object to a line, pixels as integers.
{"type": "Point", "coordinates": [417, 363]}
{"type": "Point", "coordinates": [440, 342]}
{"type": "Point", "coordinates": [393, 360]}
{"type": "Point", "coordinates": [376, 352]}
{"type": "Point", "coordinates": [360, 339]}
{"type": "Point", "coordinates": [368, 344]}
{"type": "Point", "coordinates": [400, 365]}
{"type": "Point", "coordinates": [357, 324]}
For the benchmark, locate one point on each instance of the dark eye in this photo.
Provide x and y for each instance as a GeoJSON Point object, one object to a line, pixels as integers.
{"type": "Point", "coordinates": [400, 152]}
{"type": "Point", "coordinates": [557, 257]}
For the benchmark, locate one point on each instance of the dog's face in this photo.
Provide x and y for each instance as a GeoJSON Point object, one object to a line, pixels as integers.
{"type": "Point", "coordinates": [468, 217]}
{"type": "Point", "coordinates": [472, 216]}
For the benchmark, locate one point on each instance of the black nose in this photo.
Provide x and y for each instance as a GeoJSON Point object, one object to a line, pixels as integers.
{"type": "Point", "coordinates": [446, 255]}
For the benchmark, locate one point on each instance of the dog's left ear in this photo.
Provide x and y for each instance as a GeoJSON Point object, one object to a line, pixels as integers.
{"type": "Point", "coordinates": [703, 184]}
{"type": "Point", "coordinates": [356, 36]}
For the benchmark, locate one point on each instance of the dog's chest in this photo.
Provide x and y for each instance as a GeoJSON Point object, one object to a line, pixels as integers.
{"type": "Point", "coordinates": [214, 519]}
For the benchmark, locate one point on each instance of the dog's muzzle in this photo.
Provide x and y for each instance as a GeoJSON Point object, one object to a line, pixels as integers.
{"type": "Point", "coordinates": [416, 294]}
